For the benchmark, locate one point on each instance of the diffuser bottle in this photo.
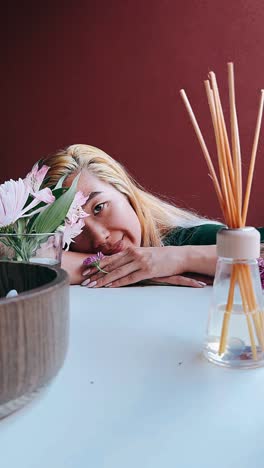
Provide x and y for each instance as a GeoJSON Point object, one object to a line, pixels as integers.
{"type": "Point", "coordinates": [235, 331]}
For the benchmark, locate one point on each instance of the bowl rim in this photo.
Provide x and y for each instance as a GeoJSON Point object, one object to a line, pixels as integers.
{"type": "Point", "coordinates": [61, 278]}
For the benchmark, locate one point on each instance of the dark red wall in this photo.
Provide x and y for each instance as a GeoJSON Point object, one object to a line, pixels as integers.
{"type": "Point", "coordinates": [108, 73]}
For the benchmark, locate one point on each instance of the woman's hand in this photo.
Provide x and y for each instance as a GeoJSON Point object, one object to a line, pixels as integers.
{"type": "Point", "coordinates": [72, 262]}
{"type": "Point", "coordinates": [134, 264]}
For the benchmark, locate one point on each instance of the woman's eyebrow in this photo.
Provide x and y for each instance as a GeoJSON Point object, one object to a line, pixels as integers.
{"type": "Point", "coordinates": [92, 195]}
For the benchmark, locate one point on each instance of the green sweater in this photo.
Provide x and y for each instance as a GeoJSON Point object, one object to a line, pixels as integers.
{"type": "Point", "coordinates": [198, 235]}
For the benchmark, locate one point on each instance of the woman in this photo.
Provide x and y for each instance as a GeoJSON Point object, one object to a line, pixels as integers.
{"type": "Point", "coordinates": [141, 236]}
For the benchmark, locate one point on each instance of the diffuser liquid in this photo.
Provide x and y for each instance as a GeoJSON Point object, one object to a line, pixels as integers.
{"type": "Point", "coordinates": [238, 351]}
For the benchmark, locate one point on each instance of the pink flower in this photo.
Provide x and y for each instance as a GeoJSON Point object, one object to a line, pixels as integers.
{"type": "Point", "coordinates": [93, 259]}
{"type": "Point", "coordinates": [76, 212]}
{"type": "Point", "coordinates": [74, 220]}
{"type": "Point", "coordinates": [13, 197]}
{"type": "Point", "coordinates": [34, 180]}
{"type": "Point", "coordinates": [70, 231]}
{"type": "Point", "coordinates": [261, 270]}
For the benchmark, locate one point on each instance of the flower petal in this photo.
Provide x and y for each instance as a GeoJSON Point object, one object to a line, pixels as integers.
{"type": "Point", "coordinates": [70, 231]}
{"type": "Point", "coordinates": [35, 177]}
{"type": "Point", "coordinates": [13, 197]}
{"type": "Point", "coordinates": [76, 212]}
{"type": "Point", "coordinates": [45, 195]}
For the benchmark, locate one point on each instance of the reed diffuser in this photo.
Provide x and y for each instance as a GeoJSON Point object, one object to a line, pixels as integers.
{"type": "Point", "coordinates": [235, 333]}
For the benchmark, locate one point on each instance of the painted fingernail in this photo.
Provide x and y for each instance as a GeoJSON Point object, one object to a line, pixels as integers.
{"type": "Point", "coordinates": [107, 285]}
{"type": "Point", "coordinates": [87, 281]}
{"type": "Point", "coordinates": [85, 272]}
{"type": "Point", "coordinates": [202, 284]}
{"type": "Point", "coordinates": [92, 284]}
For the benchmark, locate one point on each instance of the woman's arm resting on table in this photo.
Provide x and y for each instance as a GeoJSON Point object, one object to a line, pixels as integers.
{"type": "Point", "coordinates": [141, 263]}
{"type": "Point", "coordinates": [200, 259]}
{"type": "Point", "coordinates": [72, 262]}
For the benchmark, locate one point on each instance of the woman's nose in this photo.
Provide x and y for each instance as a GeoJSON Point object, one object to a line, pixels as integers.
{"type": "Point", "coordinates": [99, 235]}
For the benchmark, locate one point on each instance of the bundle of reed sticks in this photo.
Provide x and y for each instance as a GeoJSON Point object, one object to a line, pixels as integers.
{"type": "Point", "coordinates": [229, 191]}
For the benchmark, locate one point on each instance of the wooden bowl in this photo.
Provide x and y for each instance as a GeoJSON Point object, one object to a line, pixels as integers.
{"type": "Point", "coordinates": [34, 329]}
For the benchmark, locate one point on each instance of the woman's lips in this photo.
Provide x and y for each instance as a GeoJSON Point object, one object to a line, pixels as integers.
{"type": "Point", "coordinates": [117, 247]}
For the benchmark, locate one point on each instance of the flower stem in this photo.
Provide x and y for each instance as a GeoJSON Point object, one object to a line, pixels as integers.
{"type": "Point", "coordinates": [100, 269]}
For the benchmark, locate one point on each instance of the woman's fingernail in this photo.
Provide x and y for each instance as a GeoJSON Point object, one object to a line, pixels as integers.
{"type": "Point", "coordinates": [202, 284]}
{"type": "Point", "coordinates": [87, 281]}
{"type": "Point", "coordinates": [92, 284]}
{"type": "Point", "coordinates": [107, 285]}
{"type": "Point", "coordinates": [85, 272]}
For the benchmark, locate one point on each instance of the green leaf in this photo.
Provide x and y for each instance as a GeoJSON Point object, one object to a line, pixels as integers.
{"type": "Point", "coordinates": [21, 224]}
{"type": "Point", "coordinates": [60, 181]}
{"type": "Point", "coordinates": [31, 220]}
{"type": "Point", "coordinates": [54, 215]}
{"type": "Point", "coordinates": [57, 192]}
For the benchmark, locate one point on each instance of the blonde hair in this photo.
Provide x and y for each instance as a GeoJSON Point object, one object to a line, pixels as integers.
{"type": "Point", "coordinates": [156, 216]}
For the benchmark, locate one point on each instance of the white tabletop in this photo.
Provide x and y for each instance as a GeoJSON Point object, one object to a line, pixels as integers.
{"type": "Point", "coordinates": [135, 392]}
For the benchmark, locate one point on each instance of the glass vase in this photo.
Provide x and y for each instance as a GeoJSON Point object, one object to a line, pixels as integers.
{"type": "Point", "coordinates": [235, 330]}
{"type": "Point", "coordinates": [45, 248]}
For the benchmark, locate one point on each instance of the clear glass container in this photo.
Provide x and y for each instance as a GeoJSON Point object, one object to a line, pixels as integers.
{"type": "Point", "coordinates": [235, 330]}
{"type": "Point", "coordinates": [44, 248]}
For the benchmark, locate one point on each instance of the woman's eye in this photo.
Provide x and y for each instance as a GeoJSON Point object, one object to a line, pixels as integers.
{"type": "Point", "coordinates": [98, 208]}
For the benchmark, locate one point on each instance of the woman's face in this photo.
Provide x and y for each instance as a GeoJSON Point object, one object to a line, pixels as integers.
{"type": "Point", "coordinates": [112, 225]}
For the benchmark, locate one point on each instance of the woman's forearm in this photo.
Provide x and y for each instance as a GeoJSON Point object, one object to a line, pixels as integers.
{"type": "Point", "coordinates": [200, 259]}
{"type": "Point", "coordinates": [72, 262]}
{"type": "Point", "coordinates": [188, 258]}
